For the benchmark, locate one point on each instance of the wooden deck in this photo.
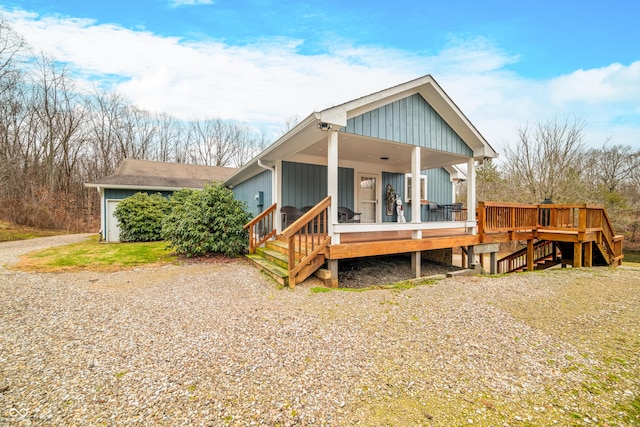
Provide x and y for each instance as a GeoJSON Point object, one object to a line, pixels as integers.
{"type": "Point", "coordinates": [356, 245]}
{"type": "Point", "coordinates": [583, 231]}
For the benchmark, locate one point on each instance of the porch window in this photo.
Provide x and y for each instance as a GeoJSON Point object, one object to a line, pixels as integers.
{"type": "Point", "coordinates": [408, 182]}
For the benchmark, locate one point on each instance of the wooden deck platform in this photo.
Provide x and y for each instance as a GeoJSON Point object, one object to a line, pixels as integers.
{"type": "Point", "coordinates": [584, 233]}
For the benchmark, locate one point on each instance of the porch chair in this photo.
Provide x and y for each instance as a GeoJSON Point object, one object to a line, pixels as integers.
{"type": "Point", "coordinates": [456, 211]}
{"type": "Point", "coordinates": [289, 215]}
{"type": "Point", "coordinates": [347, 215]}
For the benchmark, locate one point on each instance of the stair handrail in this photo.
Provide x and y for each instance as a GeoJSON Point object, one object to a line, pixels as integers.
{"type": "Point", "coordinates": [307, 237]}
{"type": "Point", "coordinates": [261, 228]}
{"type": "Point", "coordinates": [611, 241]}
{"type": "Point", "coordinates": [518, 259]}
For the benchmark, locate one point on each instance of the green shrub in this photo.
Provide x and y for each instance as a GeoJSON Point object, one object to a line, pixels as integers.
{"type": "Point", "coordinates": [207, 221]}
{"type": "Point", "coordinates": [140, 217]}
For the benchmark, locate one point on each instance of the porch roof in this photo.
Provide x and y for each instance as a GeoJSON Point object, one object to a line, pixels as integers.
{"type": "Point", "coordinates": [306, 140]}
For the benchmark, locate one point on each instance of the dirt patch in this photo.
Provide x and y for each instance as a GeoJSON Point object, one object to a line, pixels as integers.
{"type": "Point", "coordinates": [382, 270]}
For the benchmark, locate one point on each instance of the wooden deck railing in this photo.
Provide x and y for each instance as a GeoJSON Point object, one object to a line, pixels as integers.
{"type": "Point", "coordinates": [307, 237]}
{"type": "Point", "coordinates": [261, 228]}
{"type": "Point", "coordinates": [496, 217]}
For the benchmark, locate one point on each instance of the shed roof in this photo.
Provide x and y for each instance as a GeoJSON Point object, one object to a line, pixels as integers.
{"type": "Point", "coordinates": [150, 175]}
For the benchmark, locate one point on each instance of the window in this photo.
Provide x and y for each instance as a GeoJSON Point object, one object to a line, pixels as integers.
{"type": "Point", "coordinates": [408, 187]}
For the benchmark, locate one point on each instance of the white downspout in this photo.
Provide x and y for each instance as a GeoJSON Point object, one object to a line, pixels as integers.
{"type": "Point", "coordinates": [274, 189]}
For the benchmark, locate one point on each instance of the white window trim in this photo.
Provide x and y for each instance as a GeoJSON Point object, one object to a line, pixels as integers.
{"type": "Point", "coordinates": [407, 187]}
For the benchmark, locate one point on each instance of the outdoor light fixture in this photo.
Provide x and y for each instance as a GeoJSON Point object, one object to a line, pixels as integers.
{"type": "Point", "coordinates": [324, 126]}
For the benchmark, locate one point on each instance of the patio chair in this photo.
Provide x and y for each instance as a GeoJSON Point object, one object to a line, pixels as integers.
{"type": "Point", "coordinates": [456, 211]}
{"type": "Point", "coordinates": [289, 215]}
{"type": "Point", "coordinates": [347, 215]}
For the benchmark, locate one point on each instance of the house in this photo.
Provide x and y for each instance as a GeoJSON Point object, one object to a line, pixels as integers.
{"type": "Point", "coordinates": [330, 189]}
{"type": "Point", "coordinates": [358, 152]}
{"type": "Point", "coordinates": [133, 176]}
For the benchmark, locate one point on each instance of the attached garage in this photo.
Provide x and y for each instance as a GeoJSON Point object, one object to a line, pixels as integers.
{"type": "Point", "coordinates": [133, 176]}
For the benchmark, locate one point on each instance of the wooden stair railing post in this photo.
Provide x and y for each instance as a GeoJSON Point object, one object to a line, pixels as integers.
{"type": "Point", "coordinates": [582, 222]}
{"type": "Point", "coordinates": [266, 218]}
{"type": "Point", "coordinates": [482, 221]}
{"type": "Point", "coordinates": [303, 226]}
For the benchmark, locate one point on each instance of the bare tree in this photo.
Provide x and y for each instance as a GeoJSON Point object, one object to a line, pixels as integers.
{"type": "Point", "coordinates": [545, 162]}
{"type": "Point", "coordinates": [609, 167]}
{"type": "Point", "coordinates": [11, 46]}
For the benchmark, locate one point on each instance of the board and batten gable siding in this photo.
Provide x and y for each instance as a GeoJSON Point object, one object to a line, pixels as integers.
{"type": "Point", "coordinates": [305, 184]}
{"type": "Point", "coordinates": [411, 121]}
{"type": "Point", "coordinates": [246, 192]}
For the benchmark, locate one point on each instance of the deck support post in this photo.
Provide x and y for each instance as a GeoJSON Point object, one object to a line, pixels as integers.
{"type": "Point", "coordinates": [493, 263]}
{"type": "Point", "coordinates": [416, 258]}
{"type": "Point", "coordinates": [588, 254]}
{"type": "Point", "coordinates": [332, 266]}
{"type": "Point", "coordinates": [530, 255]}
{"type": "Point", "coordinates": [577, 255]}
{"type": "Point", "coordinates": [471, 257]}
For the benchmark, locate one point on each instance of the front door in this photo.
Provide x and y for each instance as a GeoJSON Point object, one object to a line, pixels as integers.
{"type": "Point", "coordinates": [368, 197]}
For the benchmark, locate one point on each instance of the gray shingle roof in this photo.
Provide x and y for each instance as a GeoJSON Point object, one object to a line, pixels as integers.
{"type": "Point", "coordinates": [146, 174]}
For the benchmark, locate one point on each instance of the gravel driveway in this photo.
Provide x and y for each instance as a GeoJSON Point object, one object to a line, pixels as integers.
{"type": "Point", "coordinates": [217, 344]}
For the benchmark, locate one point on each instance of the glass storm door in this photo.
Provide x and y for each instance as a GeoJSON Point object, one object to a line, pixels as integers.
{"type": "Point", "coordinates": [368, 198]}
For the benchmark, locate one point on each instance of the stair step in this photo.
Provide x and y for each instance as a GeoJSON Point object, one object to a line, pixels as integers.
{"type": "Point", "coordinates": [276, 257]}
{"type": "Point", "coordinates": [277, 245]}
{"type": "Point", "coordinates": [279, 274]}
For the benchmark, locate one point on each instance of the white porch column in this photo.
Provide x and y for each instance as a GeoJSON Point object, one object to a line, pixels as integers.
{"type": "Point", "coordinates": [415, 185]}
{"type": "Point", "coordinates": [415, 199]}
{"type": "Point", "coordinates": [332, 181]}
{"type": "Point", "coordinates": [471, 193]}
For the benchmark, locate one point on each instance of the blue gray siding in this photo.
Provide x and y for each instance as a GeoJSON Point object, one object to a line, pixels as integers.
{"type": "Point", "coordinates": [439, 186]}
{"type": "Point", "coordinates": [439, 190]}
{"type": "Point", "coordinates": [412, 121]}
{"type": "Point", "coordinates": [246, 192]}
{"type": "Point", "coordinates": [397, 182]}
{"type": "Point", "coordinates": [119, 194]}
{"type": "Point", "coordinates": [306, 184]}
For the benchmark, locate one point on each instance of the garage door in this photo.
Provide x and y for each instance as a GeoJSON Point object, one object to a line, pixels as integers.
{"type": "Point", "coordinates": [113, 230]}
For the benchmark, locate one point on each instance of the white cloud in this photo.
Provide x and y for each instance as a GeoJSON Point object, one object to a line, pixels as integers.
{"type": "Point", "coordinates": [265, 82]}
{"type": "Point", "coordinates": [178, 3]}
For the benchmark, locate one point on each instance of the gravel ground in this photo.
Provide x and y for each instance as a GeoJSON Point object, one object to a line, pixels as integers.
{"type": "Point", "coordinates": [215, 344]}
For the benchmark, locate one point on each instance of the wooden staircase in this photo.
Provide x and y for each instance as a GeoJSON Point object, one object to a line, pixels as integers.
{"type": "Point", "coordinates": [273, 260]}
{"type": "Point", "coordinates": [546, 255]}
{"type": "Point", "coordinates": [296, 253]}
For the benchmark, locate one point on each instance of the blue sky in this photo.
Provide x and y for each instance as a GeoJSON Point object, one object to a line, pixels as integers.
{"type": "Point", "coordinates": [262, 62]}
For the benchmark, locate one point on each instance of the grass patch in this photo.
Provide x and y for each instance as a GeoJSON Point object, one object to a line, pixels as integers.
{"type": "Point", "coordinates": [10, 232]}
{"type": "Point", "coordinates": [95, 256]}
{"type": "Point", "coordinates": [631, 256]}
{"type": "Point", "coordinates": [398, 286]}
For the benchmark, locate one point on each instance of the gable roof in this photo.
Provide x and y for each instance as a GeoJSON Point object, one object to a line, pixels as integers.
{"type": "Point", "coordinates": [161, 176]}
{"type": "Point", "coordinates": [306, 135]}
